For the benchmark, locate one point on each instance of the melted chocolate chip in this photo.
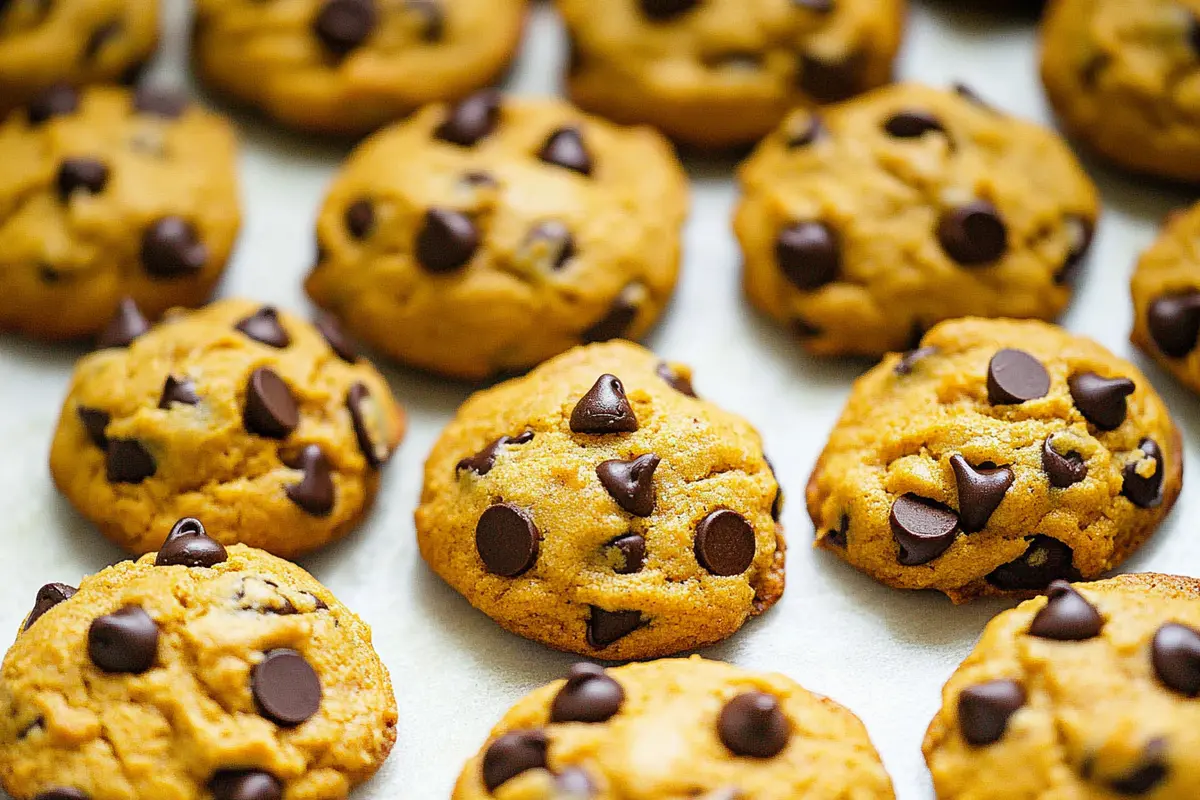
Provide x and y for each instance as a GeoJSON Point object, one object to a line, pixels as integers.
{"type": "Point", "coordinates": [471, 120]}
{"type": "Point", "coordinates": [171, 248]}
{"type": "Point", "coordinates": [923, 529]}
{"type": "Point", "coordinates": [507, 540]}
{"type": "Point", "coordinates": [985, 709]}
{"type": "Point", "coordinates": [725, 543]}
{"type": "Point", "coordinates": [189, 545]}
{"type": "Point", "coordinates": [126, 325]}
{"type": "Point", "coordinates": [632, 547]}
{"type": "Point", "coordinates": [808, 254]}
{"type": "Point", "coordinates": [606, 627]}
{"type": "Point", "coordinates": [1014, 377]}
{"type": "Point", "coordinates": [447, 241]}
{"type": "Point", "coordinates": [753, 725]}
{"type": "Point", "coordinates": [127, 461]}
{"type": "Point", "coordinates": [1062, 470]}
{"type": "Point", "coordinates": [271, 409]}
{"type": "Point", "coordinates": [565, 148]}
{"type": "Point", "coordinates": [512, 754]}
{"type": "Point", "coordinates": [482, 462]}
{"type": "Point", "coordinates": [1044, 560]}
{"type": "Point", "coordinates": [1102, 401]}
{"type": "Point", "coordinates": [604, 409]}
{"type": "Point", "coordinates": [830, 80]}
{"type": "Point", "coordinates": [245, 785]}
{"type": "Point", "coordinates": [841, 536]}
{"type": "Point", "coordinates": [344, 25]}
{"type": "Point", "coordinates": [1174, 323]}
{"type": "Point", "coordinates": [1145, 492]}
{"type": "Point", "coordinates": [912, 123]}
{"type": "Point", "coordinates": [589, 695]}
{"type": "Point", "coordinates": [315, 492]}
{"type": "Point", "coordinates": [47, 598]}
{"type": "Point", "coordinates": [264, 327]}
{"type": "Point", "coordinates": [286, 688]}
{"type": "Point", "coordinates": [1175, 653]}
{"type": "Point", "coordinates": [980, 492]}
{"type": "Point", "coordinates": [973, 234]}
{"type": "Point", "coordinates": [86, 175]}
{"type": "Point", "coordinates": [178, 390]}
{"type": "Point", "coordinates": [125, 641]}
{"type": "Point", "coordinates": [95, 422]}
{"type": "Point", "coordinates": [1067, 616]}
{"type": "Point", "coordinates": [631, 483]}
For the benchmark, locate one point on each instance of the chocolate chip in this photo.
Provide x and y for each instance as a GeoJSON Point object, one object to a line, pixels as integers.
{"type": "Point", "coordinates": [178, 390]}
{"type": "Point", "coordinates": [1062, 470]}
{"type": "Point", "coordinates": [631, 483]}
{"type": "Point", "coordinates": [99, 38]}
{"type": "Point", "coordinates": [777, 500]}
{"type": "Point", "coordinates": [549, 244]}
{"type": "Point", "coordinates": [1145, 492]}
{"type": "Point", "coordinates": [471, 120]}
{"type": "Point", "coordinates": [912, 123]}
{"type": "Point", "coordinates": [481, 180]}
{"type": "Point", "coordinates": [801, 130]}
{"type": "Point", "coordinates": [677, 381]}
{"type": "Point", "coordinates": [125, 641]}
{"type": "Point", "coordinates": [808, 254]}
{"type": "Point", "coordinates": [315, 491]}
{"type": "Point", "coordinates": [817, 6]}
{"type": "Point", "coordinates": [830, 80]}
{"type": "Point", "coordinates": [1174, 323]}
{"type": "Point", "coordinates": [286, 688]}
{"type": "Point", "coordinates": [61, 794]}
{"type": "Point", "coordinates": [606, 627]}
{"type": "Point", "coordinates": [250, 785]}
{"type": "Point", "coordinates": [604, 409]}
{"type": "Point", "coordinates": [433, 18]}
{"type": "Point", "coordinates": [574, 783]}
{"type": "Point", "coordinates": [507, 540]}
{"type": "Point", "coordinates": [659, 10]}
{"type": "Point", "coordinates": [725, 543]}
{"type": "Point", "coordinates": [985, 709]}
{"type": "Point", "coordinates": [95, 422]}
{"type": "Point", "coordinates": [973, 234]}
{"type": "Point", "coordinates": [565, 148]}
{"type": "Point", "coordinates": [171, 248]}
{"type": "Point", "coordinates": [1080, 232]}
{"type": "Point", "coordinates": [1044, 560]}
{"type": "Point", "coordinates": [127, 461]}
{"type": "Point", "coordinates": [632, 547]}
{"type": "Point", "coordinates": [512, 754]}
{"type": "Point", "coordinates": [482, 462]}
{"type": "Point", "coordinates": [841, 536]}
{"type": "Point", "coordinates": [1067, 616]}
{"type": "Point", "coordinates": [86, 175]}
{"type": "Point", "coordinates": [753, 725]}
{"type": "Point", "coordinates": [1153, 770]}
{"type": "Point", "coordinates": [126, 325]}
{"type": "Point", "coordinates": [923, 528]}
{"type": "Point", "coordinates": [360, 218]}
{"type": "Point", "coordinates": [1016, 377]}
{"type": "Point", "coordinates": [343, 25]}
{"type": "Point", "coordinates": [47, 598]}
{"type": "Point", "coordinates": [375, 450]}
{"type": "Point", "coordinates": [980, 492]}
{"type": "Point", "coordinates": [589, 695]}
{"type": "Point", "coordinates": [447, 240]}
{"type": "Point", "coordinates": [159, 102]}
{"type": "Point", "coordinates": [60, 100]}
{"type": "Point", "coordinates": [271, 410]}
{"type": "Point", "coordinates": [264, 327]}
{"type": "Point", "coordinates": [909, 360]}
{"type": "Point", "coordinates": [1175, 653]}
{"type": "Point", "coordinates": [336, 337]}
{"type": "Point", "coordinates": [620, 316]}
{"type": "Point", "coordinates": [1101, 400]}
{"type": "Point", "coordinates": [189, 545]}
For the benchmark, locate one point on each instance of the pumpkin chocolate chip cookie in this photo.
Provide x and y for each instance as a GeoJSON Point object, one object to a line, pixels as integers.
{"type": "Point", "coordinates": [997, 457]}
{"type": "Point", "coordinates": [597, 506]}
{"type": "Point", "coordinates": [1166, 298]}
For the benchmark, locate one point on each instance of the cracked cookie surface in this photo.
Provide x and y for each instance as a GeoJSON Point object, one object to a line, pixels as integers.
{"type": "Point", "coordinates": [598, 507]}
{"type": "Point", "coordinates": [997, 457]}
{"type": "Point", "coordinates": [237, 414]}
{"type": "Point", "coordinates": [864, 224]}
{"type": "Point", "coordinates": [1087, 694]}
{"type": "Point", "coordinates": [212, 674]}
{"type": "Point", "coordinates": [489, 236]}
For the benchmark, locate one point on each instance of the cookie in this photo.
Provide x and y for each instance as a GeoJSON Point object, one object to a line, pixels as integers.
{"type": "Point", "coordinates": [488, 236]}
{"type": "Point", "coordinates": [1124, 79]}
{"type": "Point", "coordinates": [74, 42]}
{"type": "Point", "coordinates": [1088, 693]}
{"type": "Point", "coordinates": [867, 223]}
{"type": "Point", "coordinates": [672, 729]}
{"type": "Point", "coordinates": [998, 456]}
{"type": "Point", "coordinates": [243, 416]}
{"type": "Point", "coordinates": [599, 507]}
{"type": "Point", "coordinates": [107, 194]}
{"type": "Point", "coordinates": [350, 66]}
{"type": "Point", "coordinates": [196, 672]}
{"type": "Point", "coordinates": [721, 73]}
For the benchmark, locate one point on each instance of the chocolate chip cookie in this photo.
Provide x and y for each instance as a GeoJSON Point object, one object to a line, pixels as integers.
{"type": "Point", "coordinates": [676, 728]}
{"type": "Point", "coordinates": [349, 66]}
{"type": "Point", "coordinates": [74, 42]}
{"type": "Point", "coordinates": [196, 672]}
{"type": "Point", "coordinates": [105, 194]}
{"type": "Point", "coordinates": [599, 507]}
{"type": "Point", "coordinates": [998, 456]}
{"type": "Point", "coordinates": [718, 73]}
{"type": "Point", "coordinates": [270, 430]}
{"type": "Point", "coordinates": [865, 224]}
{"type": "Point", "coordinates": [1088, 693]}
{"type": "Point", "coordinates": [1124, 78]}
{"type": "Point", "coordinates": [488, 236]}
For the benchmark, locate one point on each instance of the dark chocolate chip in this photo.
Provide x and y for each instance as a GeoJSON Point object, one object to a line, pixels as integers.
{"type": "Point", "coordinates": [171, 248]}
{"type": "Point", "coordinates": [360, 218]}
{"type": "Point", "coordinates": [909, 360]}
{"type": "Point", "coordinates": [1081, 232]}
{"type": "Point", "coordinates": [777, 500]}
{"type": "Point", "coordinates": [61, 794]}
{"type": "Point", "coordinates": [271, 410]}
{"type": "Point", "coordinates": [985, 709]}
{"type": "Point", "coordinates": [315, 491]}
{"type": "Point", "coordinates": [1174, 323]}
{"type": "Point", "coordinates": [923, 528]}
{"type": "Point", "coordinates": [86, 175]}
{"type": "Point", "coordinates": [433, 18]}
{"type": "Point", "coordinates": [973, 234]}
{"type": "Point", "coordinates": [375, 452]}
{"type": "Point", "coordinates": [912, 123]}
{"type": "Point", "coordinates": [189, 545]}
{"type": "Point", "coordinates": [1145, 492]}
{"type": "Point", "coordinates": [549, 243]}
{"type": "Point", "coordinates": [725, 543]}
{"type": "Point", "coordinates": [1152, 770]}
{"type": "Point", "coordinates": [1062, 470]}
{"type": "Point", "coordinates": [589, 695]}
{"type": "Point", "coordinates": [606, 627]}
{"type": "Point", "coordinates": [178, 390]}
{"type": "Point", "coordinates": [60, 100]}
{"type": "Point", "coordinates": [512, 754]}
{"type": "Point", "coordinates": [660, 10]}
{"type": "Point", "coordinates": [817, 6]}
{"type": "Point", "coordinates": [801, 130]}
{"type": "Point", "coordinates": [264, 327]}
{"type": "Point", "coordinates": [482, 462]}
{"type": "Point", "coordinates": [1101, 400]}
{"type": "Point", "coordinates": [1014, 377]}
{"type": "Point", "coordinates": [125, 641]}
{"type": "Point", "coordinates": [980, 492]}
{"type": "Point", "coordinates": [620, 316]}
{"type": "Point", "coordinates": [1067, 616]}
{"type": "Point", "coordinates": [471, 120]}
{"type": "Point", "coordinates": [127, 461]}
{"type": "Point", "coordinates": [159, 102]}
{"type": "Point", "coordinates": [573, 783]}
{"type": "Point", "coordinates": [808, 254]}
{"type": "Point", "coordinates": [507, 540]}
{"type": "Point", "coordinates": [631, 483]}
{"type": "Point", "coordinates": [1175, 653]}
{"type": "Point", "coordinates": [447, 240]}
{"type": "Point", "coordinates": [565, 148]}
{"type": "Point", "coordinates": [678, 382]}
{"type": "Point", "coordinates": [604, 409]}
{"type": "Point", "coordinates": [99, 39]}
{"type": "Point", "coordinates": [632, 547]}
{"type": "Point", "coordinates": [47, 598]}
{"type": "Point", "coordinates": [841, 536]}
{"type": "Point", "coordinates": [94, 423]}
{"type": "Point", "coordinates": [343, 25]}
{"type": "Point", "coordinates": [831, 80]}
{"type": "Point", "coordinates": [753, 725]}
{"type": "Point", "coordinates": [126, 325]}
{"type": "Point", "coordinates": [248, 785]}
{"type": "Point", "coordinates": [337, 338]}
{"type": "Point", "coordinates": [286, 688]}
{"type": "Point", "coordinates": [1044, 560]}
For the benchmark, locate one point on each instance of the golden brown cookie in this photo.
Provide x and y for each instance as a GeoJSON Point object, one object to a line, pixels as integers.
{"type": "Point", "coordinates": [1089, 694]}
{"type": "Point", "coordinates": [489, 236]}
{"type": "Point", "coordinates": [271, 431]}
{"type": "Point", "coordinates": [867, 223]}
{"type": "Point", "coordinates": [107, 193]}
{"type": "Point", "coordinates": [198, 673]}
{"type": "Point", "coordinates": [717, 73]}
{"type": "Point", "coordinates": [597, 506]}
{"type": "Point", "coordinates": [998, 456]}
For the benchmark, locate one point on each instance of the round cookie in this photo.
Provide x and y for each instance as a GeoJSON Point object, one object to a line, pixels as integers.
{"type": "Point", "coordinates": [489, 236]}
{"type": "Point", "coordinates": [719, 73]}
{"type": "Point", "coordinates": [866, 224]}
{"type": "Point", "coordinates": [997, 457]}
{"type": "Point", "coordinates": [1124, 78]}
{"type": "Point", "coordinates": [75, 42]}
{"type": "Point", "coordinates": [237, 414]}
{"type": "Point", "coordinates": [107, 193]}
{"type": "Point", "coordinates": [672, 729]}
{"type": "Point", "coordinates": [198, 673]}
{"type": "Point", "coordinates": [1087, 694]}
{"type": "Point", "coordinates": [597, 506]}
{"type": "Point", "coordinates": [349, 66]}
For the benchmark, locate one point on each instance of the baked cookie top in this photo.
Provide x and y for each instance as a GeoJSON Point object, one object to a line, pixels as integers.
{"type": "Point", "coordinates": [675, 728]}
{"type": "Point", "coordinates": [1166, 297]}
{"type": "Point", "coordinates": [597, 506]}
{"type": "Point", "coordinates": [1088, 693]}
{"type": "Point", "coordinates": [491, 235]}
{"type": "Point", "coordinates": [198, 672]}
{"type": "Point", "coordinates": [998, 456]}
{"type": "Point", "coordinates": [864, 224]}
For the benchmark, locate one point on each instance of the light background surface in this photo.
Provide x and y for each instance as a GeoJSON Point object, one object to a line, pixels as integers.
{"type": "Point", "coordinates": [882, 653]}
